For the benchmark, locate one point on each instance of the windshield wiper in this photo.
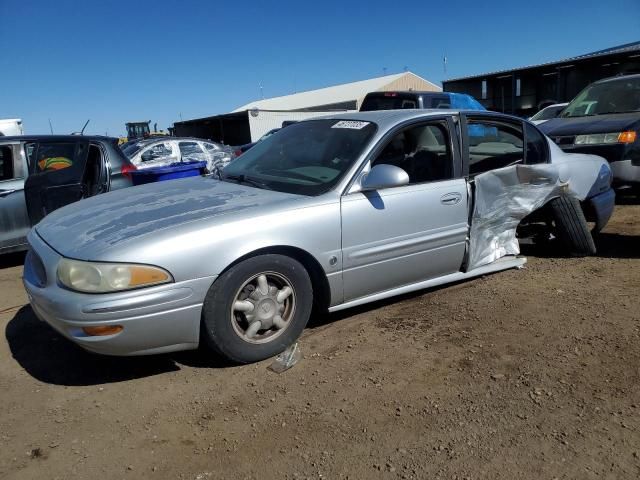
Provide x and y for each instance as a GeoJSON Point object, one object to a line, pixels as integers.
{"type": "Point", "coordinates": [243, 179]}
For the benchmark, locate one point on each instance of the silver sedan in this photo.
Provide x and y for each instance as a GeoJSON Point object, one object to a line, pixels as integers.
{"type": "Point", "coordinates": [331, 212]}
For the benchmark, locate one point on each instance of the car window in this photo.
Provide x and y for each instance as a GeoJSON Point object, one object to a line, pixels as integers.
{"type": "Point", "coordinates": [157, 151]}
{"type": "Point", "coordinates": [211, 147]}
{"type": "Point", "coordinates": [54, 156]}
{"type": "Point", "coordinates": [493, 145]}
{"type": "Point", "coordinates": [6, 163]}
{"type": "Point", "coordinates": [424, 152]}
{"type": "Point", "coordinates": [537, 147]}
{"type": "Point", "coordinates": [306, 158]}
{"type": "Point", "coordinates": [191, 151]}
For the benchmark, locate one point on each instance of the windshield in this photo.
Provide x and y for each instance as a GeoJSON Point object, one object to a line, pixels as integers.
{"type": "Point", "coordinates": [548, 113]}
{"type": "Point", "coordinates": [307, 158]}
{"type": "Point", "coordinates": [617, 96]}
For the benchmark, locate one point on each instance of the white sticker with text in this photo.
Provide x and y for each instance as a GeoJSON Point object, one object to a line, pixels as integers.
{"type": "Point", "coordinates": [350, 124]}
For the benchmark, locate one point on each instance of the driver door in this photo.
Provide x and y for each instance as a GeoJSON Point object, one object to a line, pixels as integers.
{"type": "Point", "coordinates": [402, 235]}
{"type": "Point", "coordinates": [57, 171]}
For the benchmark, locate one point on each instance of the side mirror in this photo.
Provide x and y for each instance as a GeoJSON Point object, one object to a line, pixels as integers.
{"type": "Point", "coordinates": [384, 176]}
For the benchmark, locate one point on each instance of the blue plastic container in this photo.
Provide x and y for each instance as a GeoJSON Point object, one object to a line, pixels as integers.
{"type": "Point", "coordinates": [167, 172]}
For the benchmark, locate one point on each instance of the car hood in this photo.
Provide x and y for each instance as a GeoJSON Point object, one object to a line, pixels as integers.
{"type": "Point", "coordinates": [84, 229]}
{"type": "Point", "coordinates": [615, 122]}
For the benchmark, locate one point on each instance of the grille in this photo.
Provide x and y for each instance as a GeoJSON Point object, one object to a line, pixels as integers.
{"type": "Point", "coordinates": [34, 270]}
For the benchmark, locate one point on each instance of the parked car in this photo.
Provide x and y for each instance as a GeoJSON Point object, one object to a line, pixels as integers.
{"type": "Point", "coordinates": [547, 113]}
{"type": "Point", "coordinates": [333, 212]}
{"type": "Point", "coordinates": [160, 151]}
{"type": "Point", "coordinates": [39, 174]}
{"type": "Point", "coordinates": [409, 99]}
{"type": "Point", "coordinates": [604, 119]}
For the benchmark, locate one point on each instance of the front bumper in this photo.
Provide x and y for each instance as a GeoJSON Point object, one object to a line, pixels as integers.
{"type": "Point", "coordinates": [600, 208]}
{"type": "Point", "coordinates": [158, 319]}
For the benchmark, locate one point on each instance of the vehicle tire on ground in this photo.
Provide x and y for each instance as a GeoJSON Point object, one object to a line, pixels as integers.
{"type": "Point", "coordinates": [257, 308]}
{"type": "Point", "coordinates": [571, 227]}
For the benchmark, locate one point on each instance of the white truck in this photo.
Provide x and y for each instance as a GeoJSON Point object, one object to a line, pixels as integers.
{"type": "Point", "coordinates": [10, 127]}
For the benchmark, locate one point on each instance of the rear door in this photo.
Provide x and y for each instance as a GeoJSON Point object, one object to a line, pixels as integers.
{"type": "Point", "coordinates": [57, 170]}
{"type": "Point", "coordinates": [14, 220]}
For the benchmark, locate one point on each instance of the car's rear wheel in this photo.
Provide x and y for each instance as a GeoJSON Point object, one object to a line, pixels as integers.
{"type": "Point", "coordinates": [571, 227]}
{"type": "Point", "coordinates": [257, 308]}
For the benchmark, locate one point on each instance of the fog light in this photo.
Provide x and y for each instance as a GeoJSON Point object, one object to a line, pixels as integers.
{"type": "Point", "coordinates": [102, 330]}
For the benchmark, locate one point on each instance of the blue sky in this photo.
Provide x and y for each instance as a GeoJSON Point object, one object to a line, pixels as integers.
{"type": "Point", "coordinates": [116, 61]}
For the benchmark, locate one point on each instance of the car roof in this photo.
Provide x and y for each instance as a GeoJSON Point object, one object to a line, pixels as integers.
{"type": "Point", "coordinates": [57, 138]}
{"type": "Point", "coordinates": [388, 118]}
{"type": "Point", "coordinates": [164, 138]}
{"type": "Point", "coordinates": [619, 77]}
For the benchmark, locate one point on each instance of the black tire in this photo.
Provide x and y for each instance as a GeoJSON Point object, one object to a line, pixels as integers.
{"type": "Point", "coordinates": [218, 330]}
{"type": "Point", "coordinates": [571, 227]}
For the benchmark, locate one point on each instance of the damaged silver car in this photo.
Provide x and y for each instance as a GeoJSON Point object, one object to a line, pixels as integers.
{"type": "Point", "coordinates": [332, 212]}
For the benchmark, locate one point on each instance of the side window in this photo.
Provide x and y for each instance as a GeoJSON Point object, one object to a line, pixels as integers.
{"type": "Point", "coordinates": [210, 147]}
{"type": "Point", "coordinates": [536, 146]}
{"type": "Point", "coordinates": [424, 152]}
{"type": "Point", "coordinates": [191, 151]}
{"type": "Point", "coordinates": [493, 145]}
{"type": "Point", "coordinates": [157, 151]}
{"type": "Point", "coordinates": [54, 156]}
{"type": "Point", "coordinates": [6, 163]}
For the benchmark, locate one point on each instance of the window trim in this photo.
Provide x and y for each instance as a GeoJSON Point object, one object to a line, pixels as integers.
{"type": "Point", "coordinates": [547, 150]}
{"type": "Point", "coordinates": [353, 186]}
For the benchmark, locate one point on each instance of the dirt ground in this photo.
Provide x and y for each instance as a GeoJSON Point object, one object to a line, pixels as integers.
{"type": "Point", "coordinates": [527, 374]}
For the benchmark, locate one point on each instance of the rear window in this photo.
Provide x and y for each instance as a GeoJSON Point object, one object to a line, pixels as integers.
{"type": "Point", "coordinates": [55, 156]}
{"type": "Point", "coordinates": [389, 101]}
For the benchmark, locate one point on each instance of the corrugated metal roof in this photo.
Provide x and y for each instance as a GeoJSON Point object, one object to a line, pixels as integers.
{"type": "Point", "coordinates": [329, 95]}
{"type": "Point", "coordinates": [626, 48]}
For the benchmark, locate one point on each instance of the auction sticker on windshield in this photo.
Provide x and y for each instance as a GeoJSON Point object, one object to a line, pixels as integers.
{"type": "Point", "coordinates": [350, 124]}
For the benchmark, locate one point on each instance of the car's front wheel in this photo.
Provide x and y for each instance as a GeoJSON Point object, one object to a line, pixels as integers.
{"type": "Point", "coordinates": [257, 308]}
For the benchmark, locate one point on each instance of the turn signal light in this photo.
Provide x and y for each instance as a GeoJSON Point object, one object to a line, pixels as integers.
{"type": "Point", "coordinates": [627, 137]}
{"type": "Point", "coordinates": [102, 330]}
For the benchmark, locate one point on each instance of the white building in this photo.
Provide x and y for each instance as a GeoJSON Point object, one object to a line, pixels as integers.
{"type": "Point", "coordinates": [249, 122]}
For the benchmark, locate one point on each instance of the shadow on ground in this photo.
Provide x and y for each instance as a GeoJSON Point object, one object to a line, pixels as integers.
{"type": "Point", "coordinates": [51, 358]}
{"type": "Point", "coordinates": [9, 260]}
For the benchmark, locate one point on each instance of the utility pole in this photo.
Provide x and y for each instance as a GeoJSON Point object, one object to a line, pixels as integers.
{"type": "Point", "coordinates": [50, 127]}
{"type": "Point", "coordinates": [261, 91]}
{"type": "Point", "coordinates": [444, 64]}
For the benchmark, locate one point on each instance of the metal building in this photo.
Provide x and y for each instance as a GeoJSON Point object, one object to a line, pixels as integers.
{"type": "Point", "coordinates": [525, 90]}
{"type": "Point", "coordinates": [249, 122]}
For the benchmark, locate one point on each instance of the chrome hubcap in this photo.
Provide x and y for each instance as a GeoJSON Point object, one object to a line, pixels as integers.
{"type": "Point", "coordinates": [263, 307]}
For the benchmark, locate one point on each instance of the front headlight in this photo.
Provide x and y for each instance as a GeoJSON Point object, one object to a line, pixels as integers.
{"type": "Point", "coordinates": [93, 277]}
{"type": "Point", "coordinates": [606, 138]}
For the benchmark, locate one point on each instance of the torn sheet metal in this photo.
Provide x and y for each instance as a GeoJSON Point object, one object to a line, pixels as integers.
{"type": "Point", "coordinates": [503, 198]}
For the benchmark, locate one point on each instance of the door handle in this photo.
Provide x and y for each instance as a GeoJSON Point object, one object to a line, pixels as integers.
{"type": "Point", "coordinates": [4, 193]}
{"type": "Point", "coordinates": [452, 198]}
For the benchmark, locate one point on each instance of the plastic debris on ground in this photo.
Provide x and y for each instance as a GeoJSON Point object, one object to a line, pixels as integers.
{"type": "Point", "coordinates": [286, 359]}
